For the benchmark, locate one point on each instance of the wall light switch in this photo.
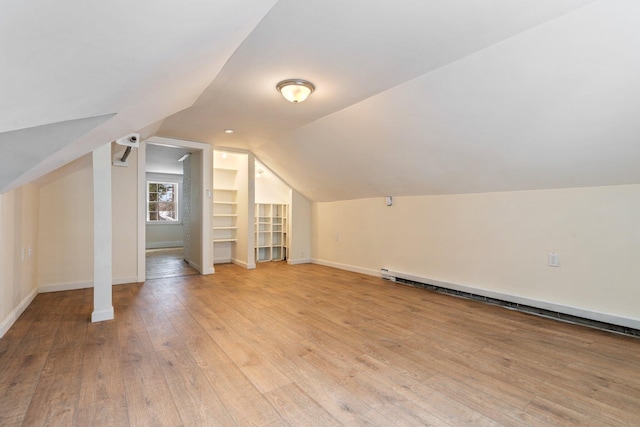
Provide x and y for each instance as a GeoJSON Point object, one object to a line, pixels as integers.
{"type": "Point", "coordinates": [554, 259]}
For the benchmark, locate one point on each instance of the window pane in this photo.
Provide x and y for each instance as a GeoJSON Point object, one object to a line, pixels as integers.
{"type": "Point", "coordinates": [153, 216]}
{"type": "Point", "coordinates": [153, 197]}
{"type": "Point", "coordinates": [153, 188]}
{"type": "Point", "coordinates": [166, 197]}
{"type": "Point", "coordinates": [153, 207]}
{"type": "Point", "coordinates": [166, 216]}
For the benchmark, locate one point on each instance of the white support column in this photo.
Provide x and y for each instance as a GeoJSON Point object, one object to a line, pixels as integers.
{"type": "Point", "coordinates": [102, 246]}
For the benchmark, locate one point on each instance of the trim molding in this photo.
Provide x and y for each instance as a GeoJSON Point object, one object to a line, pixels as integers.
{"type": "Point", "coordinates": [72, 286]}
{"type": "Point", "coordinates": [102, 315]}
{"type": "Point", "coordinates": [125, 280]}
{"type": "Point", "coordinates": [298, 261]}
{"type": "Point", "coordinates": [195, 266]}
{"type": "Point", "coordinates": [353, 268]}
{"type": "Point", "coordinates": [161, 245]}
{"type": "Point", "coordinates": [244, 264]}
{"type": "Point", "coordinates": [6, 324]}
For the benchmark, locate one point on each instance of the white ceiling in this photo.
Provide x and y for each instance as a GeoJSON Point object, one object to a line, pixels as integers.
{"type": "Point", "coordinates": [164, 159]}
{"type": "Point", "coordinates": [412, 97]}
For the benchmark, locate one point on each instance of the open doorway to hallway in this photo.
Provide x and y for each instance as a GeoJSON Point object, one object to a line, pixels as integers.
{"type": "Point", "coordinates": [167, 203]}
{"type": "Point", "coordinates": [167, 262]}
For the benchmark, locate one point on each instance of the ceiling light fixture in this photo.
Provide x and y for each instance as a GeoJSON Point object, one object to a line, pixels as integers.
{"type": "Point", "coordinates": [295, 90]}
{"type": "Point", "coordinates": [228, 131]}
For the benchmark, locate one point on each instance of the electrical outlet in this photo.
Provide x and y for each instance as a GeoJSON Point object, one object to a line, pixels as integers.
{"type": "Point", "coordinates": [553, 259]}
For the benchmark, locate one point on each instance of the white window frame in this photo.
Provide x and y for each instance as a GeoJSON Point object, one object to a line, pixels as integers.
{"type": "Point", "coordinates": [175, 202]}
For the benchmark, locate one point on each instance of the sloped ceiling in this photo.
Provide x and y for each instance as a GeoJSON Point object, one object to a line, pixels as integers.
{"type": "Point", "coordinates": [142, 60]}
{"type": "Point", "coordinates": [412, 98]}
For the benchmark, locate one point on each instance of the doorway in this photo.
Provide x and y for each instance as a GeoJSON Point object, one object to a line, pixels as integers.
{"type": "Point", "coordinates": [174, 208]}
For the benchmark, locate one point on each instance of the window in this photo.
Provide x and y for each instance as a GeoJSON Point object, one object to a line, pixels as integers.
{"type": "Point", "coordinates": [162, 202]}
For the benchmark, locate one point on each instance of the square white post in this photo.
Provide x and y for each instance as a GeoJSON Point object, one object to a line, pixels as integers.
{"type": "Point", "coordinates": [102, 245]}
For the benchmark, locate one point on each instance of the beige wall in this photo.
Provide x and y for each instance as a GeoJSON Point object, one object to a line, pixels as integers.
{"type": "Point", "coordinates": [498, 242]}
{"type": "Point", "coordinates": [18, 233]}
{"type": "Point", "coordinates": [66, 226]}
{"type": "Point", "coordinates": [299, 229]}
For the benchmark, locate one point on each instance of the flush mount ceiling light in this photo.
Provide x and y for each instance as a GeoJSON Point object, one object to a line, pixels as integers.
{"type": "Point", "coordinates": [295, 90]}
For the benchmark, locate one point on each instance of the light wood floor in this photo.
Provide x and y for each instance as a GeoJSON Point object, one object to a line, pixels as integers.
{"type": "Point", "coordinates": [307, 345]}
{"type": "Point", "coordinates": [167, 262]}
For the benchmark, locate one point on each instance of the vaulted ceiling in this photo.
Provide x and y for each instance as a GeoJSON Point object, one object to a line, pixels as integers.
{"type": "Point", "coordinates": [411, 98]}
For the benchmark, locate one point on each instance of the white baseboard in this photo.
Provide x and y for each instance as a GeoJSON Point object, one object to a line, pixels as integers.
{"type": "Point", "coordinates": [16, 312]}
{"type": "Point", "coordinates": [125, 280]}
{"type": "Point", "coordinates": [102, 315]}
{"type": "Point", "coordinates": [195, 266]}
{"type": "Point", "coordinates": [545, 305]}
{"type": "Point", "coordinates": [161, 245]}
{"type": "Point", "coordinates": [221, 261]}
{"type": "Point", "coordinates": [299, 261]}
{"type": "Point", "coordinates": [244, 264]}
{"type": "Point", "coordinates": [71, 286]}
{"type": "Point", "coordinates": [353, 268]}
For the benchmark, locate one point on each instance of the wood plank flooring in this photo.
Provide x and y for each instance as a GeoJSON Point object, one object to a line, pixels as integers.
{"type": "Point", "coordinates": [307, 345]}
{"type": "Point", "coordinates": [168, 262]}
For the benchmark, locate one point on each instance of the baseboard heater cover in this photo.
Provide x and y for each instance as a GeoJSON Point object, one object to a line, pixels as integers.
{"type": "Point", "coordinates": [441, 287]}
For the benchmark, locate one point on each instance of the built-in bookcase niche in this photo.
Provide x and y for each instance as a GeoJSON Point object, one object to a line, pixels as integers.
{"type": "Point", "coordinates": [271, 232]}
{"type": "Point", "coordinates": [226, 195]}
{"type": "Point", "coordinates": [271, 216]}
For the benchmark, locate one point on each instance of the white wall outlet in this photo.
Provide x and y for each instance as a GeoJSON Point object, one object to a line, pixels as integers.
{"type": "Point", "coordinates": [553, 259]}
{"type": "Point", "coordinates": [337, 236]}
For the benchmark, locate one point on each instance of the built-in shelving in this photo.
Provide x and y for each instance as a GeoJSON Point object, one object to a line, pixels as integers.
{"type": "Point", "coordinates": [225, 205]}
{"type": "Point", "coordinates": [271, 232]}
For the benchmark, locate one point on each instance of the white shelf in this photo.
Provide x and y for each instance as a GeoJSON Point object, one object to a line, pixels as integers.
{"type": "Point", "coordinates": [225, 203]}
{"type": "Point", "coordinates": [225, 189]}
{"type": "Point", "coordinates": [223, 240]}
{"type": "Point", "coordinates": [225, 228]}
{"type": "Point", "coordinates": [225, 215]}
{"type": "Point", "coordinates": [270, 232]}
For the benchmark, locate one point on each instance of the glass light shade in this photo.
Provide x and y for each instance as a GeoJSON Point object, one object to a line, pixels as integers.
{"type": "Point", "coordinates": [295, 90]}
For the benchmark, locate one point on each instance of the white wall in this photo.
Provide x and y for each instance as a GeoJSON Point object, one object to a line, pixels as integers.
{"type": "Point", "coordinates": [498, 242]}
{"type": "Point", "coordinates": [18, 232]}
{"type": "Point", "coordinates": [196, 221]}
{"type": "Point", "coordinates": [299, 229]}
{"type": "Point", "coordinates": [270, 188]}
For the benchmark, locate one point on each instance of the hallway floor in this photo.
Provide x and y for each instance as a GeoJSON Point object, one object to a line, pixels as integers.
{"type": "Point", "coordinates": [167, 262]}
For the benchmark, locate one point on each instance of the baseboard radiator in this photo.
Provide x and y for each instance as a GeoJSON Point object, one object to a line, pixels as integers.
{"type": "Point", "coordinates": [410, 280]}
